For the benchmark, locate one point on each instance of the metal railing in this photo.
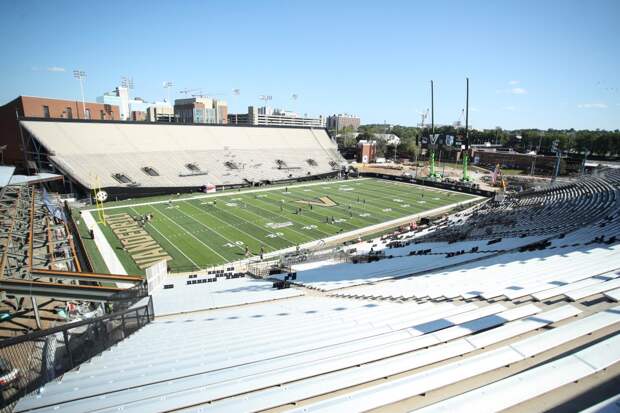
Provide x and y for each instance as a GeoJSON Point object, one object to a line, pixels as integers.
{"type": "Point", "coordinates": [35, 359]}
{"type": "Point", "coordinates": [126, 298]}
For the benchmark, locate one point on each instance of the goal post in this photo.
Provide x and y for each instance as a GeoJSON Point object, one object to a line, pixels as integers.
{"type": "Point", "coordinates": [100, 196]}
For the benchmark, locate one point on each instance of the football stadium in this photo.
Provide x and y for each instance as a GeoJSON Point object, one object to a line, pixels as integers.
{"type": "Point", "coordinates": [163, 267]}
{"type": "Point", "coordinates": [205, 230]}
{"type": "Point", "coordinates": [310, 207]}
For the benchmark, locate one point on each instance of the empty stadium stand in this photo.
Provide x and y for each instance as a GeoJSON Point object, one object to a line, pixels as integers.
{"type": "Point", "coordinates": [479, 313]}
{"type": "Point", "coordinates": [130, 159]}
{"type": "Point", "coordinates": [569, 224]}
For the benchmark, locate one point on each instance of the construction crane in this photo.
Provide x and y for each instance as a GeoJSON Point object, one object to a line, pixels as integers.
{"type": "Point", "coordinates": [199, 93]}
{"type": "Point", "coordinates": [459, 122]}
{"type": "Point", "coordinates": [189, 91]}
{"type": "Point", "coordinates": [423, 116]}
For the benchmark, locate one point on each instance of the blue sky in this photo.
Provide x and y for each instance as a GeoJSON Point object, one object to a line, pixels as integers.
{"type": "Point", "coordinates": [546, 64]}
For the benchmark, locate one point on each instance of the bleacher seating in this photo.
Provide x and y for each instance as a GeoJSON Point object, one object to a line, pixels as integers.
{"type": "Point", "coordinates": [169, 156]}
{"type": "Point", "coordinates": [530, 315]}
{"type": "Point", "coordinates": [567, 223]}
{"type": "Point", "coordinates": [270, 355]}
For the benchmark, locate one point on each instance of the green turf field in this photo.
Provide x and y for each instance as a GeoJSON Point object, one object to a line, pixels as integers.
{"type": "Point", "coordinates": [212, 230]}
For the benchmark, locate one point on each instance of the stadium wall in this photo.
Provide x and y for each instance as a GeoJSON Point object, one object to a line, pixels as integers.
{"type": "Point", "coordinates": [121, 193]}
{"type": "Point", "coordinates": [425, 182]}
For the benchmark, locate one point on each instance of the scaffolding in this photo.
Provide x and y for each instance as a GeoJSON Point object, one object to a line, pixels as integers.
{"type": "Point", "coordinates": [39, 268]}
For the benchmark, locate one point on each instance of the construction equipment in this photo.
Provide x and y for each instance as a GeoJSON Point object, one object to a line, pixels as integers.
{"type": "Point", "coordinates": [498, 183]}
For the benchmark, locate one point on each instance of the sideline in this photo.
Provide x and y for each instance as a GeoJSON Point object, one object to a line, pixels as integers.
{"type": "Point", "coordinates": [107, 252]}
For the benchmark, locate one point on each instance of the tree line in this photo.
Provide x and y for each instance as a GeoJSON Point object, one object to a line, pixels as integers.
{"type": "Point", "coordinates": [596, 143]}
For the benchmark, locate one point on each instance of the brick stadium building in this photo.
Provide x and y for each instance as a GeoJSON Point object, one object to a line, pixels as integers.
{"type": "Point", "coordinates": [36, 107]}
{"type": "Point", "coordinates": [366, 151]}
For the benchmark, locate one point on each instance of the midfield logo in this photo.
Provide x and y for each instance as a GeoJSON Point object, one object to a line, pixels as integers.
{"type": "Point", "coordinates": [323, 201]}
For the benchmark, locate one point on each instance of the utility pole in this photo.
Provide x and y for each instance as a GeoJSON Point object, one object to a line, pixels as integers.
{"type": "Point", "coordinates": [432, 137]}
{"type": "Point", "coordinates": [168, 85]}
{"type": "Point", "coordinates": [236, 92]}
{"type": "Point", "coordinates": [432, 110]}
{"type": "Point", "coordinates": [465, 155]}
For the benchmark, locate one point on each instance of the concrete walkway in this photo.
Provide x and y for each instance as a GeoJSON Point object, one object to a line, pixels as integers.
{"type": "Point", "coordinates": [107, 253]}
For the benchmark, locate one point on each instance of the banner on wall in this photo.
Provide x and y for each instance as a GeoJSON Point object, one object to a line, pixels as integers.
{"type": "Point", "coordinates": [209, 188]}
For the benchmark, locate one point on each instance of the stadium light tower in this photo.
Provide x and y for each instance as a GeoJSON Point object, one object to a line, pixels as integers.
{"type": "Point", "coordinates": [168, 85]}
{"type": "Point", "coordinates": [236, 92]}
{"type": "Point", "coordinates": [81, 75]}
{"type": "Point", "coordinates": [265, 98]}
{"type": "Point", "coordinates": [294, 98]}
{"type": "Point", "coordinates": [127, 82]}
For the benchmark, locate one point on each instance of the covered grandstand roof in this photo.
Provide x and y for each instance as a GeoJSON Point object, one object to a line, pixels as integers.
{"type": "Point", "coordinates": [6, 172]}
{"type": "Point", "coordinates": [7, 177]}
{"type": "Point", "coordinates": [34, 179]}
{"type": "Point", "coordinates": [164, 155]}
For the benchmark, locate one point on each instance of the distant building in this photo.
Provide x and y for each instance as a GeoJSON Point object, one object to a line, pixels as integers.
{"type": "Point", "coordinates": [36, 107]}
{"type": "Point", "coordinates": [130, 109]}
{"type": "Point", "coordinates": [201, 110]}
{"type": "Point", "coordinates": [388, 138]}
{"type": "Point", "coordinates": [341, 121]}
{"type": "Point", "coordinates": [267, 116]}
{"type": "Point", "coordinates": [221, 111]}
{"type": "Point", "coordinates": [366, 151]}
{"type": "Point", "coordinates": [160, 112]}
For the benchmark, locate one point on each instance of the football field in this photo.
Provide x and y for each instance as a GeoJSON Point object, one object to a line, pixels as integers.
{"type": "Point", "coordinates": [212, 229]}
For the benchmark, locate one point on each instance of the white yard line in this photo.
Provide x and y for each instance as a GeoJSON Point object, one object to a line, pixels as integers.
{"type": "Point", "coordinates": [107, 252]}
{"type": "Point", "coordinates": [113, 262]}
{"type": "Point", "coordinates": [360, 231]}
{"type": "Point", "coordinates": [226, 224]}
{"type": "Point", "coordinates": [170, 242]}
{"type": "Point", "coordinates": [371, 228]}
{"type": "Point", "coordinates": [228, 193]}
{"type": "Point", "coordinates": [291, 227]}
{"type": "Point", "coordinates": [186, 231]}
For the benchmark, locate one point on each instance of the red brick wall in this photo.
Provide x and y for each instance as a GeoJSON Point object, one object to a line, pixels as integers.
{"type": "Point", "coordinates": [368, 150]}
{"type": "Point", "coordinates": [27, 106]}
{"type": "Point", "coordinates": [33, 107]}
